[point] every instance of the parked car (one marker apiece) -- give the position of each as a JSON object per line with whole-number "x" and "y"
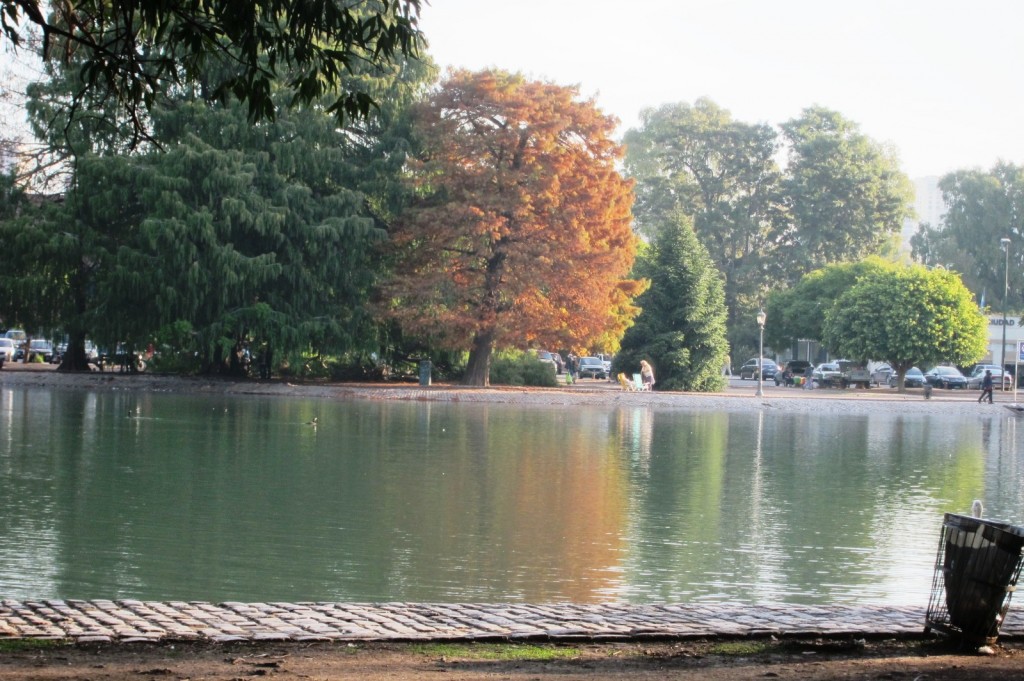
{"x": 854, "y": 374}
{"x": 913, "y": 379}
{"x": 545, "y": 357}
{"x": 880, "y": 374}
{"x": 945, "y": 377}
{"x": 768, "y": 369}
{"x": 593, "y": 367}
{"x": 36, "y": 348}
{"x": 827, "y": 374}
{"x": 559, "y": 363}
{"x": 790, "y": 370}
{"x": 978, "y": 373}
{"x": 7, "y": 350}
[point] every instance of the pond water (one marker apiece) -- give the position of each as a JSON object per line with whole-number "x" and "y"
{"x": 171, "y": 497}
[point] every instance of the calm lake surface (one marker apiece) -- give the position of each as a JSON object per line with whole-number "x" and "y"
{"x": 170, "y": 497}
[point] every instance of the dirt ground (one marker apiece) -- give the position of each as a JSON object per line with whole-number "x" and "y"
{"x": 933, "y": 660}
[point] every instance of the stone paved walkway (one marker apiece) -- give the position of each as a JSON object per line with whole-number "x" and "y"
{"x": 131, "y": 620}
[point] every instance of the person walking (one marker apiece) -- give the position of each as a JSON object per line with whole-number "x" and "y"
{"x": 986, "y": 387}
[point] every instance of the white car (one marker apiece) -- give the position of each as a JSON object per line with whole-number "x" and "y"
{"x": 974, "y": 380}
{"x": 7, "y": 349}
{"x": 827, "y": 374}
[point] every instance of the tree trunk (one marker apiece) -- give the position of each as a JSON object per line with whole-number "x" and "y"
{"x": 901, "y": 374}
{"x": 478, "y": 370}
{"x": 74, "y": 358}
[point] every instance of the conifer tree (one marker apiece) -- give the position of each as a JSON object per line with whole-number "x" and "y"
{"x": 229, "y": 233}
{"x": 681, "y": 327}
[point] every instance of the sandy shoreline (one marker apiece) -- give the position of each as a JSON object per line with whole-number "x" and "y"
{"x": 737, "y": 398}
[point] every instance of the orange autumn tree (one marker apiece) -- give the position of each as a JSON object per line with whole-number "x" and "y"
{"x": 519, "y": 233}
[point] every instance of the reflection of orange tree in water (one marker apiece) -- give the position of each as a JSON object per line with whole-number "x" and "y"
{"x": 553, "y": 512}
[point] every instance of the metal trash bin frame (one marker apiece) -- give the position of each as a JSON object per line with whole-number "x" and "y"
{"x": 976, "y": 572}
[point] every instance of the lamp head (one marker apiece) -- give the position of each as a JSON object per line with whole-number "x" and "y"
{"x": 761, "y": 317}
{"x": 1005, "y": 242}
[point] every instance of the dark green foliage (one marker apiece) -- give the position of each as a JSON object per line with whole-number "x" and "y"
{"x": 37, "y": 249}
{"x": 681, "y": 327}
{"x": 132, "y": 52}
{"x": 247, "y": 232}
{"x": 520, "y": 368}
{"x": 259, "y": 239}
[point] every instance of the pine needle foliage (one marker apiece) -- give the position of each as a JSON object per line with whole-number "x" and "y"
{"x": 681, "y": 327}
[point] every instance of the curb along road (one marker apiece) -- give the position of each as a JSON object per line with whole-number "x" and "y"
{"x": 131, "y": 621}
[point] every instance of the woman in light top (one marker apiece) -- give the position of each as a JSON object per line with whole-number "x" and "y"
{"x": 646, "y": 374}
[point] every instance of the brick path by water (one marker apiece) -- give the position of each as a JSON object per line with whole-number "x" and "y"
{"x": 131, "y": 620}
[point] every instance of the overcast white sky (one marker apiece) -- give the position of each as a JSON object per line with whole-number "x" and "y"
{"x": 941, "y": 81}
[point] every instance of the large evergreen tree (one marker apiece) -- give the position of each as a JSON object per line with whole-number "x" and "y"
{"x": 681, "y": 327}
{"x": 229, "y": 233}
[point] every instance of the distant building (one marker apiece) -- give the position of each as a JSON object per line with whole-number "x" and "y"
{"x": 928, "y": 205}
{"x": 1014, "y": 335}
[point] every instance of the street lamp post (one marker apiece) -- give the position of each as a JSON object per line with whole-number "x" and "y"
{"x": 1005, "y": 243}
{"x": 761, "y": 317}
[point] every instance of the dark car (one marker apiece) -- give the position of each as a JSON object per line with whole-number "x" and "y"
{"x": 593, "y": 367}
{"x": 768, "y": 369}
{"x": 913, "y": 379}
{"x": 790, "y": 370}
{"x": 946, "y": 377}
{"x": 880, "y": 374}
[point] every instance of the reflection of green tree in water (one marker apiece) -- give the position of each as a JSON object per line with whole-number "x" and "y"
{"x": 813, "y": 514}
{"x": 679, "y": 498}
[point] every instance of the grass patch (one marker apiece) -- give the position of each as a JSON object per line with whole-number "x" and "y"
{"x": 18, "y": 645}
{"x": 502, "y": 652}
{"x": 741, "y": 648}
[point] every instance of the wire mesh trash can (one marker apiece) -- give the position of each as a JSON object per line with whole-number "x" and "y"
{"x": 976, "y": 572}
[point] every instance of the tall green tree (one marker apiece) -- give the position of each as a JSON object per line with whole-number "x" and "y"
{"x": 30, "y": 284}
{"x": 229, "y": 232}
{"x": 845, "y": 194}
{"x": 133, "y": 51}
{"x": 983, "y": 207}
{"x": 908, "y": 316}
{"x": 681, "y": 326}
{"x": 698, "y": 160}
